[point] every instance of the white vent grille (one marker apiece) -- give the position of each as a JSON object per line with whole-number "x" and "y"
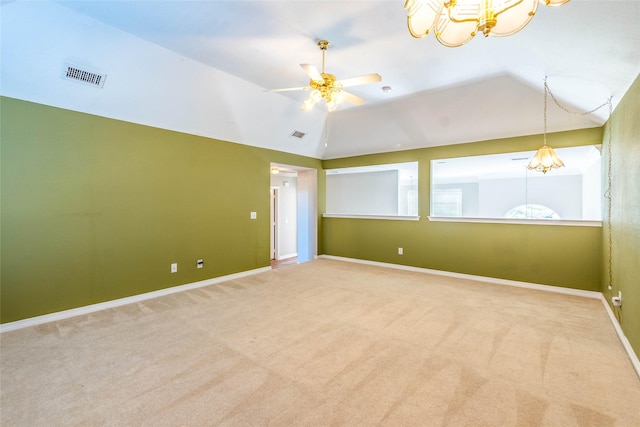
{"x": 84, "y": 76}
{"x": 298, "y": 134}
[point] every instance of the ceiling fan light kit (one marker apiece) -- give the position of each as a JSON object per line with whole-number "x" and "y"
{"x": 455, "y": 22}
{"x": 325, "y": 85}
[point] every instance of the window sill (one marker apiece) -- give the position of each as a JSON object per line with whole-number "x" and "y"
{"x": 579, "y": 223}
{"x": 391, "y": 217}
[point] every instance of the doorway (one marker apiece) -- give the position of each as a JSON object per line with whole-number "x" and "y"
{"x": 273, "y": 221}
{"x": 293, "y": 225}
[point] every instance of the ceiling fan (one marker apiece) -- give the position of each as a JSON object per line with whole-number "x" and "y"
{"x": 325, "y": 86}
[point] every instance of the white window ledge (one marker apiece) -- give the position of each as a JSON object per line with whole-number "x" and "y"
{"x": 391, "y": 217}
{"x": 579, "y": 223}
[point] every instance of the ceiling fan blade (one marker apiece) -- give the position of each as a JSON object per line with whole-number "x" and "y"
{"x": 287, "y": 89}
{"x": 354, "y": 81}
{"x": 352, "y": 99}
{"x": 312, "y": 72}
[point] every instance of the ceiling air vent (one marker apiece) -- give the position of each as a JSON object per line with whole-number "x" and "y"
{"x": 81, "y": 75}
{"x": 298, "y": 134}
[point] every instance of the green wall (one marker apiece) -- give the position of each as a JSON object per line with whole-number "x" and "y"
{"x": 625, "y": 213}
{"x": 95, "y": 209}
{"x": 568, "y": 256}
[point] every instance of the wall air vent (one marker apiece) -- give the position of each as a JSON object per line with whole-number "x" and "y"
{"x": 81, "y": 75}
{"x": 298, "y": 134}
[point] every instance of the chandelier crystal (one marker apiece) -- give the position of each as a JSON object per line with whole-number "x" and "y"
{"x": 455, "y": 22}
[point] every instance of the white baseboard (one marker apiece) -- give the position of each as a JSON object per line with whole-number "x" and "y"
{"x": 623, "y": 339}
{"x": 87, "y": 309}
{"x": 60, "y": 315}
{"x": 633, "y": 357}
{"x": 547, "y": 288}
{"x": 287, "y": 256}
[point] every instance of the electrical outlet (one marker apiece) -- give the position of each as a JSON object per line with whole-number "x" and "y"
{"x": 617, "y": 301}
{"x": 200, "y": 263}
{"x": 174, "y": 267}
{"x": 400, "y": 251}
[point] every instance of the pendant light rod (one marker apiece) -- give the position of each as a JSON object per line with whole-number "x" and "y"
{"x": 323, "y": 45}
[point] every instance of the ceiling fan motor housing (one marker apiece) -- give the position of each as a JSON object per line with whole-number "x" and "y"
{"x": 325, "y": 86}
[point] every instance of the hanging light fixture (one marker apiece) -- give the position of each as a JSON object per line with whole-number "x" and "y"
{"x": 545, "y": 158}
{"x": 458, "y": 21}
{"x": 324, "y": 87}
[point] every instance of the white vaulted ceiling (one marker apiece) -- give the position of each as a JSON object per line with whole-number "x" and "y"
{"x": 203, "y": 67}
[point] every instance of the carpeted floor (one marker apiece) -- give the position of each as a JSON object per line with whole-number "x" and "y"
{"x": 326, "y": 343}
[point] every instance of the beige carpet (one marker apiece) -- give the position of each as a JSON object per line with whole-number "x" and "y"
{"x": 326, "y": 343}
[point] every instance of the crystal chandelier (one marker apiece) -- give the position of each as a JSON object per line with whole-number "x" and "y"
{"x": 458, "y": 21}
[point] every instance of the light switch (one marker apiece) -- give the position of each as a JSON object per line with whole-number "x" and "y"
{"x": 254, "y": 215}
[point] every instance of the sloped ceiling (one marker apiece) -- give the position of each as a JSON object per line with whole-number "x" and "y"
{"x": 203, "y": 67}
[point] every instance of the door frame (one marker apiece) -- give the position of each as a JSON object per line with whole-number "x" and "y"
{"x": 306, "y": 211}
{"x": 273, "y": 224}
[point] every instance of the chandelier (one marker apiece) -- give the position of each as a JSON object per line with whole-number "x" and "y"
{"x": 458, "y": 21}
